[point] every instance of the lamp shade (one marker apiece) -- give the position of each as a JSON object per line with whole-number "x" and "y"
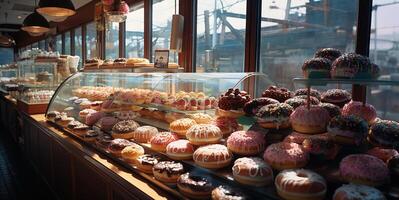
{"x": 36, "y": 24}
{"x": 56, "y": 8}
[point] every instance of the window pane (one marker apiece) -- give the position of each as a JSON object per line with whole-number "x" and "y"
{"x": 289, "y": 30}
{"x": 161, "y": 26}
{"x": 91, "y": 41}
{"x": 35, "y": 45}
{"x": 78, "y": 44}
{"x": 58, "y": 43}
{"x": 135, "y": 32}
{"x": 41, "y": 44}
{"x": 221, "y": 35}
{"x": 384, "y": 51}
{"x": 68, "y": 43}
{"x": 112, "y": 41}
{"x": 7, "y": 56}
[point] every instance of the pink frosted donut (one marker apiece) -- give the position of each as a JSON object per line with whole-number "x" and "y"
{"x": 310, "y": 121}
{"x": 180, "y": 150}
{"x": 246, "y": 143}
{"x": 213, "y": 156}
{"x": 252, "y": 171}
{"x": 285, "y": 155}
{"x": 161, "y": 140}
{"x": 107, "y": 123}
{"x": 364, "y": 169}
{"x": 366, "y": 111}
{"x": 382, "y": 153}
{"x": 93, "y": 118}
{"x": 298, "y": 138}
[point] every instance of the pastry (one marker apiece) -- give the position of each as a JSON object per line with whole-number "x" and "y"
{"x": 253, "y": 106}
{"x": 337, "y": 97}
{"x": 351, "y": 65}
{"x": 275, "y": 116}
{"x": 310, "y": 120}
{"x": 384, "y": 133}
{"x": 117, "y": 145}
{"x": 284, "y": 155}
{"x": 180, "y": 150}
{"x": 103, "y": 141}
{"x": 316, "y": 68}
{"x": 181, "y": 126}
{"x": 329, "y": 53}
{"x": 364, "y": 111}
{"x": 202, "y": 134}
{"x": 382, "y": 153}
{"x": 227, "y": 125}
{"x": 132, "y": 152}
{"x": 90, "y": 136}
{"x": 247, "y": 143}
{"x": 201, "y": 118}
{"x": 124, "y": 129}
{"x": 348, "y": 130}
{"x": 168, "y": 171}
{"x": 143, "y": 134}
{"x": 355, "y": 192}
{"x": 232, "y": 102}
{"x": 84, "y": 113}
{"x": 277, "y": 93}
{"x": 106, "y": 123}
{"x": 322, "y": 146}
{"x": 194, "y": 187}
{"x": 146, "y": 162}
{"x": 93, "y": 118}
{"x": 252, "y": 171}
{"x": 224, "y": 192}
{"x": 304, "y": 91}
{"x": 332, "y": 109}
{"x": 212, "y": 156}
{"x": 161, "y": 140}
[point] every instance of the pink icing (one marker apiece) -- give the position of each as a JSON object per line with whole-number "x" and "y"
{"x": 316, "y": 115}
{"x": 365, "y": 167}
{"x": 285, "y": 152}
{"x": 247, "y": 140}
{"x": 164, "y": 138}
{"x": 180, "y": 146}
{"x": 367, "y": 111}
{"x": 92, "y": 118}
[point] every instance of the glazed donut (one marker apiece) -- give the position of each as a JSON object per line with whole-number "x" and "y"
{"x": 285, "y": 156}
{"x": 246, "y": 143}
{"x": 212, "y": 156}
{"x": 143, "y": 134}
{"x": 224, "y": 192}
{"x": 161, "y": 140}
{"x": 300, "y": 184}
{"x": 117, "y": 145}
{"x": 355, "y": 192}
{"x": 329, "y": 53}
{"x": 146, "y": 162}
{"x": 203, "y": 134}
{"x": 252, "y": 107}
{"x": 252, "y": 171}
{"x": 194, "y": 187}
{"x": 181, "y": 126}
{"x": 310, "y": 121}
{"x": 227, "y": 125}
{"x": 132, "y": 152}
{"x": 124, "y": 129}
{"x": 364, "y": 169}
{"x": 347, "y": 130}
{"x": 304, "y": 92}
{"x": 337, "y": 97}
{"x": 383, "y": 154}
{"x": 180, "y": 150}
{"x": 384, "y": 133}
{"x": 366, "y": 111}
{"x": 275, "y": 116}
{"x": 316, "y": 68}
{"x": 168, "y": 171}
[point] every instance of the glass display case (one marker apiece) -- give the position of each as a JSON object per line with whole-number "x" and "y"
{"x": 33, "y": 73}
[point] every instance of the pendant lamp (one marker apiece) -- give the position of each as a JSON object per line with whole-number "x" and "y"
{"x": 56, "y": 10}
{"x": 35, "y": 24}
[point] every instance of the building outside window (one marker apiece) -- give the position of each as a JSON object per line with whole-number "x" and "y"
{"x": 67, "y": 43}
{"x": 135, "y": 32}
{"x": 58, "y": 43}
{"x": 91, "y": 40}
{"x": 78, "y": 44}
{"x": 112, "y": 40}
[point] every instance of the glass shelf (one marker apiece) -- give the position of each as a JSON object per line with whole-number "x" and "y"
{"x": 323, "y": 82}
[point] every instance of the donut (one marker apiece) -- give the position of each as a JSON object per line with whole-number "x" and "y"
{"x": 168, "y": 171}
{"x": 132, "y": 152}
{"x": 201, "y": 118}
{"x": 124, "y": 129}
{"x": 232, "y": 102}
{"x": 126, "y": 115}
{"x": 252, "y": 171}
{"x": 90, "y": 136}
{"x": 106, "y": 123}
{"x": 203, "y": 134}
{"x": 322, "y": 146}
{"x": 393, "y": 165}
{"x": 227, "y": 125}
{"x": 96, "y": 105}
{"x": 224, "y": 192}
{"x": 356, "y": 192}
{"x": 284, "y": 155}
{"x": 172, "y": 116}
{"x": 50, "y": 116}
{"x": 384, "y": 133}
{"x": 180, "y": 150}
{"x": 81, "y": 130}
{"x": 181, "y": 126}
{"x": 246, "y": 143}
{"x": 143, "y": 134}
{"x": 212, "y": 156}
{"x": 117, "y": 145}
{"x": 252, "y": 107}
{"x": 316, "y": 68}
{"x": 312, "y": 120}
{"x": 364, "y": 169}
{"x": 93, "y": 118}
{"x": 146, "y": 162}
{"x": 84, "y": 113}
{"x": 328, "y": 53}
{"x": 64, "y": 121}
{"x": 296, "y": 137}
{"x": 277, "y": 93}
{"x": 313, "y": 100}
{"x": 300, "y": 184}
{"x": 338, "y": 97}
{"x": 275, "y": 116}
{"x": 295, "y": 102}
{"x": 332, "y": 109}
{"x": 348, "y": 130}
{"x": 350, "y": 65}
{"x": 194, "y": 187}
{"x": 103, "y": 141}
{"x": 304, "y": 92}
{"x": 366, "y": 111}
{"x": 382, "y": 153}
{"x": 161, "y": 140}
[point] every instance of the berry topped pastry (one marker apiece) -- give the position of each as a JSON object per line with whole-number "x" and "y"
{"x": 232, "y": 102}
{"x": 280, "y": 94}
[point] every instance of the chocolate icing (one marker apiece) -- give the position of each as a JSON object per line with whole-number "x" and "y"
{"x": 233, "y": 99}
{"x": 148, "y": 159}
{"x": 170, "y": 167}
{"x": 119, "y": 144}
{"x": 195, "y": 183}
{"x": 328, "y": 53}
{"x": 230, "y": 193}
{"x": 317, "y": 63}
{"x": 252, "y": 107}
{"x": 313, "y": 93}
{"x": 386, "y": 131}
{"x": 280, "y": 94}
{"x": 275, "y": 110}
{"x": 349, "y": 123}
{"x": 104, "y": 140}
{"x": 125, "y": 126}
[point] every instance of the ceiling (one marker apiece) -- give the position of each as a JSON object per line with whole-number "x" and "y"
{"x": 17, "y": 10}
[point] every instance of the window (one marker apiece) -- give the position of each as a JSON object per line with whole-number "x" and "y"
{"x": 35, "y": 45}
{"x": 135, "y": 32}
{"x": 78, "y": 44}
{"x": 161, "y": 26}
{"x": 7, "y": 56}
{"x": 384, "y": 51}
{"x": 289, "y": 30}
{"x": 41, "y": 44}
{"x": 91, "y": 40}
{"x": 67, "y": 43}
{"x": 112, "y": 40}
{"x": 58, "y": 43}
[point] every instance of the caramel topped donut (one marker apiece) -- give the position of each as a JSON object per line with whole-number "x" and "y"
{"x": 233, "y": 99}
{"x": 384, "y": 133}
{"x": 212, "y": 156}
{"x": 364, "y": 169}
{"x": 246, "y": 142}
{"x": 202, "y": 134}
{"x": 355, "y": 192}
{"x": 329, "y": 53}
{"x": 304, "y": 91}
{"x": 252, "y": 171}
{"x": 252, "y": 107}
{"x": 280, "y": 94}
{"x": 300, "y": 184}
{"x": 196, "y": 187}
{"x": 224, "y": 192}
{"x": 285, "y": 156}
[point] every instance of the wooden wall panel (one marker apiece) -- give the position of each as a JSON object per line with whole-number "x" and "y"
{"x": 62, "y": 172}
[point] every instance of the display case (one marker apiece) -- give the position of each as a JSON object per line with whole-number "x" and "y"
{"x": 35, "y": 74}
